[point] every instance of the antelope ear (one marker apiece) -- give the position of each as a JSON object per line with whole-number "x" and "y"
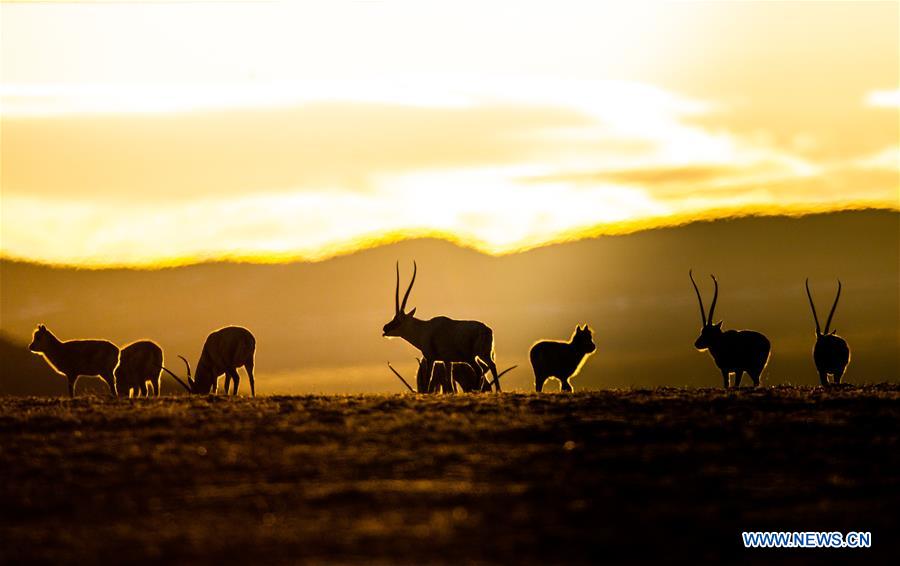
{"x": 411, "y": 313}
{"x": 41, "y": 327}
{"x": 718, "y": 324}
{"x": 832, "y": 333}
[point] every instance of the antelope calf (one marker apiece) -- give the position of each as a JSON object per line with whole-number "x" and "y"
{"x": 734, "y": 351}
{"x": 139, "y": 362}
{"x": 224, "y": 351}
{"x": 831, "y": 352}
{"x": 561, "y": 360}
{"x": 74, "y": 358}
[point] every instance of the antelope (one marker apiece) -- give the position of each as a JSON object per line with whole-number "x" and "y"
{"x": 734, "y": 351}
{"x": 831, "y": 353}
{"x": 442, "y": 339}
{"x": 74, "y": 358}
{"x": 224, "y": 351}
{"x": 471, "y": 382}
{"x": 561, "y": 360}
{"x": 139, "y": 362}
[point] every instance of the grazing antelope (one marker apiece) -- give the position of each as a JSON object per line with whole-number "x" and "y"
{"x": 831, "y": 352}
{"x": 472, "y": 381}
{"x": 442, "y": 339}
{"x": 74, "y": 358}
{"x": 224, "y": 351}
{"x": 139, "y": 362}
{"x": 734, "y": 351}
{"x": 562, "y": 360}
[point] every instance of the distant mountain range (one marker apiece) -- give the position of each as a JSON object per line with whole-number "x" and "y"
{"x": 318, "y": 325}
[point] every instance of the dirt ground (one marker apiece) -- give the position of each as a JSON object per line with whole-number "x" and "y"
{"x": 613, "y": 476}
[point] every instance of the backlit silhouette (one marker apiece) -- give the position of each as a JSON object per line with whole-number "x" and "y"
{"x": 831, "y": 352}
{"x": 442, "y": 339}
{"x": 466, "y": 377}
{"x": 74, "y": 358}
{"x": 224, "y": 351}
{"x": 734, "y": 351}
{"x": 139, "y": 363}
{"x": 561, "y": 360}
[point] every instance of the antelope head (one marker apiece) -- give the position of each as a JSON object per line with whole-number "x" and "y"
{"x": 397, "y": 325}
{"x": 709, "y": 333}
{"x": 819, "y": 331}
{"x": 40, "y": 340}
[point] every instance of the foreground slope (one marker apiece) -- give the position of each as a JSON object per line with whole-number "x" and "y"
{"x": 615, "y": 476}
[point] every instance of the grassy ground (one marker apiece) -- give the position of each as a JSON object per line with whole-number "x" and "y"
{"x": 620, "y": 476}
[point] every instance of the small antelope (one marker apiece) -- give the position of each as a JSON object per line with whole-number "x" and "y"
{"x": 734, "y": 351}
{"x": 74, "y": 358}
{"x": 224, "y": 351}
{"x": 442, "y": 339}
{"x": 139, "y": 362}
{"x": 831, "y": 352}
{"x": 561, "y": 360}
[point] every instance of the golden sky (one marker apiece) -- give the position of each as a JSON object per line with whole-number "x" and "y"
{"x": 152, "y": 133}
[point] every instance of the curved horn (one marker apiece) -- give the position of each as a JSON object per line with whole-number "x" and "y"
{"x": 176, "y": 378}
{"x": 834, "y": 306}
{"x": 813, "y": 307}
{"x": 712, "y": 307}
{"x": 186, "y": 365}
{"x": 699, "y": 298}
{"x": 408, "y": 289}
{"x": 397, "y": 291}
{"x": 397, "y": 373}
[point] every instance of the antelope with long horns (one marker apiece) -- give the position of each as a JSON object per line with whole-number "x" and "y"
{"x": 734, "y": 351}
{"x": 224, "y": 351}
{"x": 442, "y": 339}
{"x": 74, "y": 358}
{"x": 831, "y": 352}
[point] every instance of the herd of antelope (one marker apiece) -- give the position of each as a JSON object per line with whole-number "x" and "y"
{"x": 457, "y": 355}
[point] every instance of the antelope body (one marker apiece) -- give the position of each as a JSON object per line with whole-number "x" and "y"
{"x": 831, "y": 353}
{"x": 139, "y": 362}
{"x": 561, "y": 360}
{"x": 442, "y": 339}
{"x": 734, "y": 351}
{"x": 74, "y": 358}
{"x": 224, "y": 351}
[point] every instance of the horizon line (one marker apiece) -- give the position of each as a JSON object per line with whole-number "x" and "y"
{"x": 375, "y": 241}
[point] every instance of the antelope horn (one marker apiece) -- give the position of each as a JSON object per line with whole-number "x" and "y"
{"x": 833, "y": 307}
{"x": 813, "y": 307}
{"x": 408, "y": 289}
{"x": 176, "y": 378}
{"x": 712, "y": 307}
{"x": 502, "y": 373}
{"x": 186, "y": 365}
{"x": 397, "y": 291}
{"x": 397, "y": 373}
{"x": 699, "y": 298}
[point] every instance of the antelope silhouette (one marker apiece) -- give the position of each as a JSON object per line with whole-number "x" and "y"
{"x": 561, "y": 360}
{"x": 468, "y": 379}
{"x": 831, "y": 352}
{"x": 442, "y": 339}
{"x": 74, "y": 358}
{"x": 139, "y": 362}
{"x": 224, "y": 351}
{"x": 734, "y": 351}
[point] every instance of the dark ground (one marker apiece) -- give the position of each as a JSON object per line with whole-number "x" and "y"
{"x": 613, "y": 476}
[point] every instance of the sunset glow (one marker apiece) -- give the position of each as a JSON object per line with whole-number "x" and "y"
{"x": 153, "y": 134}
